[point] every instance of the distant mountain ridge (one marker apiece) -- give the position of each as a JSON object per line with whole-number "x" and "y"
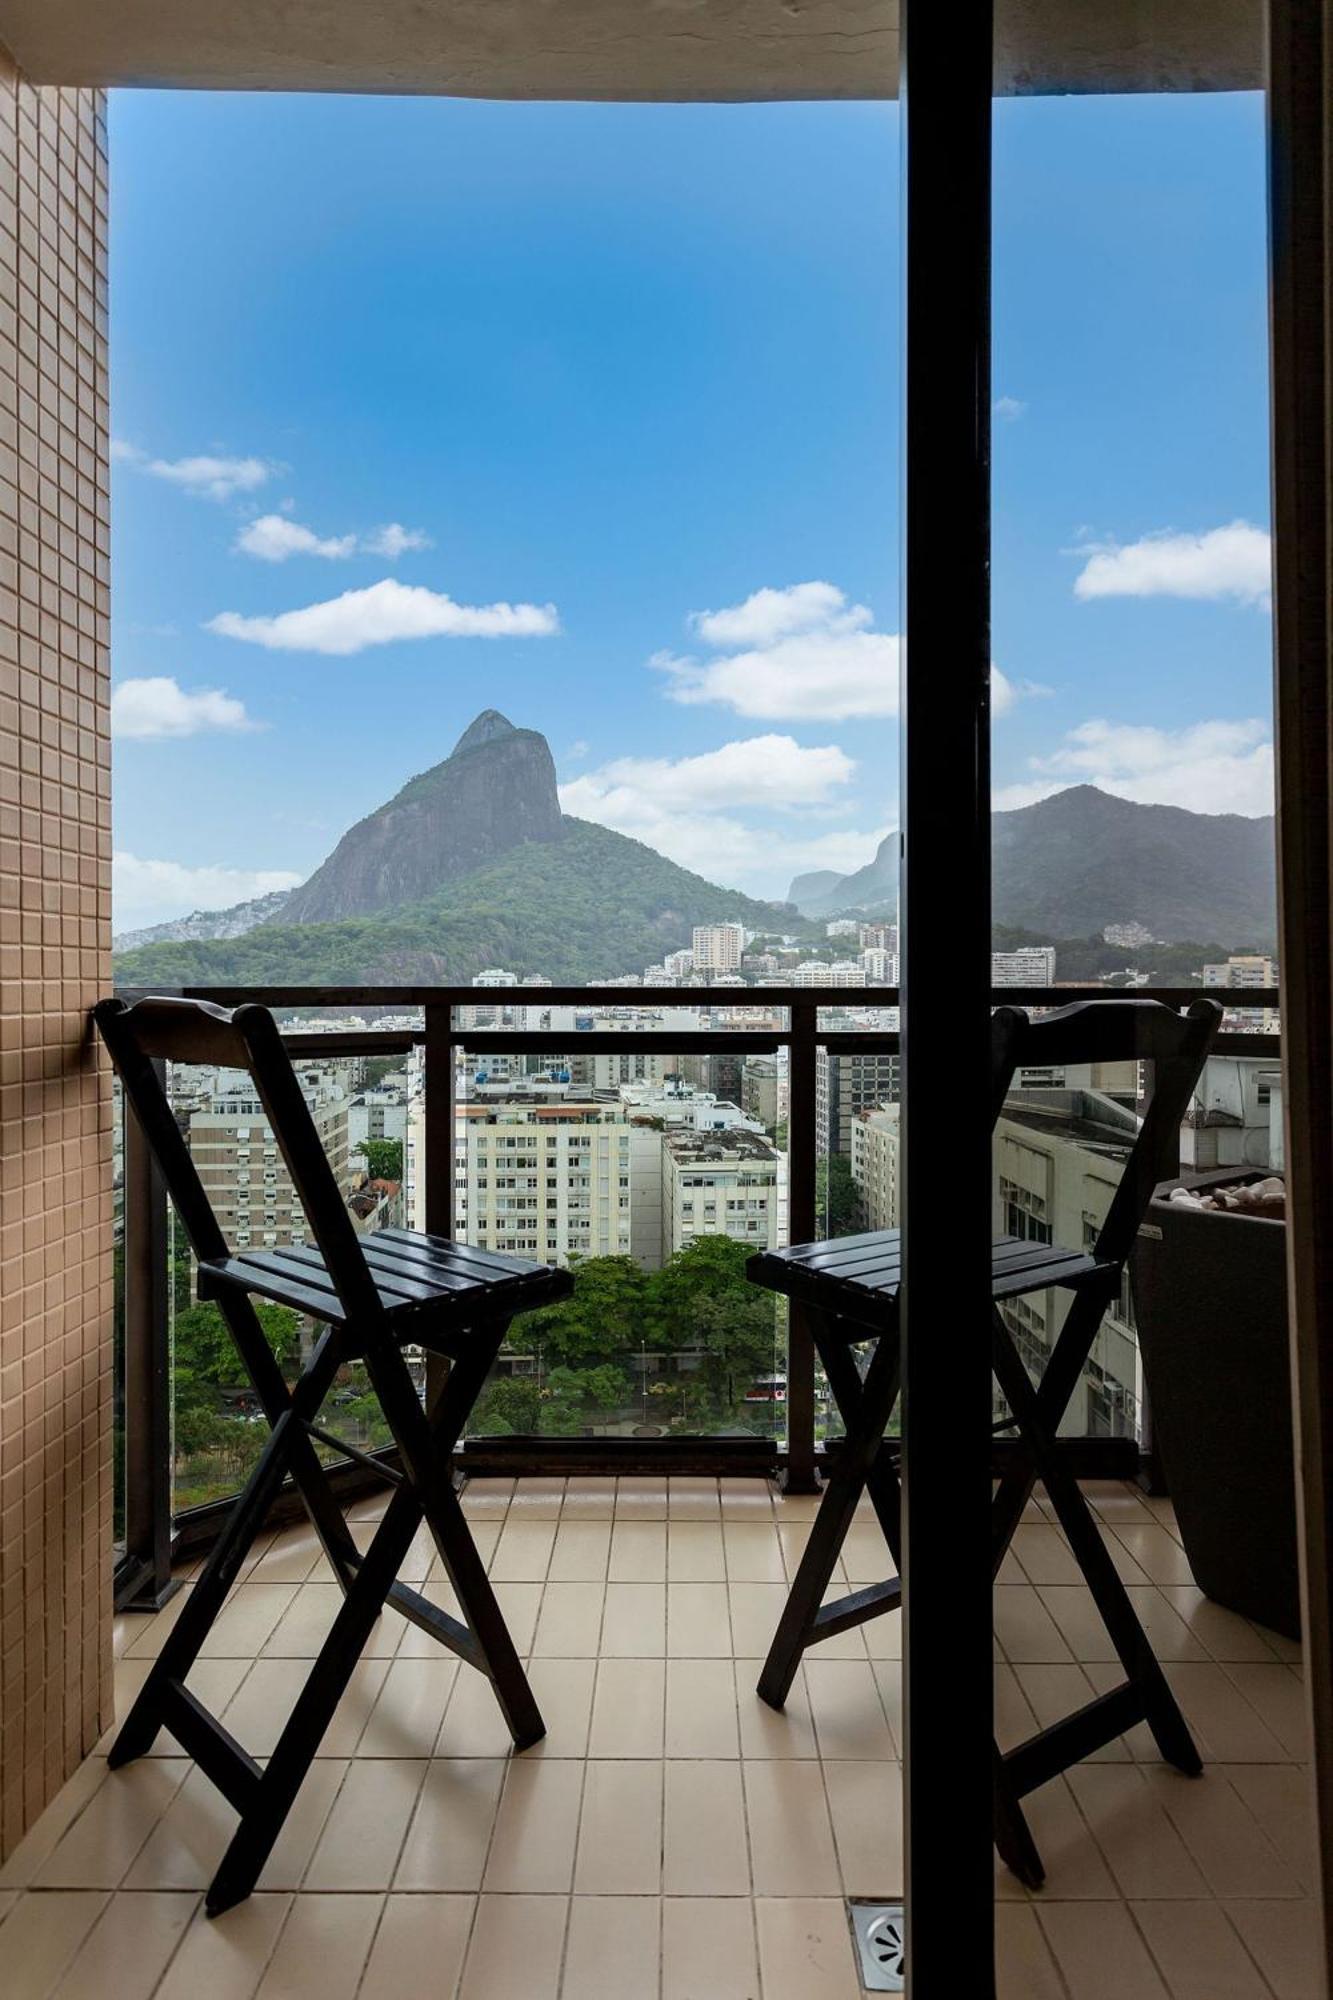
{"x": 1083, "y": 858}
{"x": 203, "y": 924}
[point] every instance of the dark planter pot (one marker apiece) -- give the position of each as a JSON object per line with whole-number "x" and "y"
{"x": 1210, "y": 1292}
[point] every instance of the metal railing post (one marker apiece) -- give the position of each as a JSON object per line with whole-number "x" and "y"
{"x": 148, "y": 1497}
{"x": 802, "y": 1156}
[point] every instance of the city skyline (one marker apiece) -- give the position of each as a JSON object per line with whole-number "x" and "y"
{"x": 534, "y": 420}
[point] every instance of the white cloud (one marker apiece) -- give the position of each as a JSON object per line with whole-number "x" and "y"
{"x": 205, "y": 475}
{"x": 686, "y": 808}
{"x": 1008, "y": 409}
{"x": 1210, "y": 767}
{"x": 160, "y": 706}
{"x": 274, "y": 537}
{"x": 806, "y": 655}
{"x": 150, "y": 892}
{"x": 1232, "y": 562}
{"x": 393, "y": 540}
{"x": 382, "y": 613}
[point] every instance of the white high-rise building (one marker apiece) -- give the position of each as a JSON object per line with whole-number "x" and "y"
{"x": 718, "y": 947}
{"x": 875, "y": 1136}
{"x": 719, "y": 1184}
{"x": 556, "y": 1180}
{"x": 1032, "y": 966}
{"x": 244, "y": 1175}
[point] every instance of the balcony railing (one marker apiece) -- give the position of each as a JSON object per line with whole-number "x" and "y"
{"x": 154, "y": 1532}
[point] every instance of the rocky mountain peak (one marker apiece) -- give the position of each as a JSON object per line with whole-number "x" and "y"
{"x": 489, "y": 727}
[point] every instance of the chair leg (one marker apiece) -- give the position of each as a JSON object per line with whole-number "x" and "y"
{"x": 866, "y": 1413}
{"x": 246, "y": 1519}
{"x": 1142, "y": 1669}
{"x": 1013, "y": 1836}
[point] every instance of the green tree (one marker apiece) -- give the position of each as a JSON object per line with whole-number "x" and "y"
{"x": 206, "y": 1360}
{"x": 837, "y": 1197}
{"x": 512, "y": 1403}
{"x": 608, "y": 1314}
{"x": 706, "y": 1305}
{"x": 384, "y": 1159}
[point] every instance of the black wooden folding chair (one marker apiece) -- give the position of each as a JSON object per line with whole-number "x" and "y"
{"x": 850, "y": 1287}
{"x": 371, "y": 1296}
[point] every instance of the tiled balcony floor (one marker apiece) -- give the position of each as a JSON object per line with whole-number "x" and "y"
{"x": 671, "y": 1839}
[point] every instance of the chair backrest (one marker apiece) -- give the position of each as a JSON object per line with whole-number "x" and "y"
{"x": 141, "y": 1035}
{"x": 1105, "y": 1031}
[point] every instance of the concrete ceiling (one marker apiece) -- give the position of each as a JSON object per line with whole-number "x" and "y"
{"x": 633, "y": 50}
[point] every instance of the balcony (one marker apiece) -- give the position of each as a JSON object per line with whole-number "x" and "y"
{"x": 669, "y": 1818}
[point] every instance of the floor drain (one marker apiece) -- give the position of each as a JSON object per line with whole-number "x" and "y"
{"x": 878, "y": 1929}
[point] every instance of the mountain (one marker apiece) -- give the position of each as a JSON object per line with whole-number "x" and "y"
{"x": 494, "y": 792}
{"x": 1081, "y": 859}
{"x": 589, "y": 905}
{"x": 235, "y": 922}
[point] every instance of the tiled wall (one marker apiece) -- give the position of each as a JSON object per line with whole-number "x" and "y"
{"x": 55, "y": 1255}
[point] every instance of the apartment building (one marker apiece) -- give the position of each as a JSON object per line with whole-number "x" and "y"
{"x": 1241, "y": 971}
{"x": 718, "y": 947}
{"x": 244, "y": 1175}
{"x": 719, "y": 1184}
{"x": 846, "y": 1084}
{"x": 1058, "y": 1160}
{"x": 764, "y": 1090}
{"x": 875, "y": 1156}
{"x": 1032, "y": 966}
{"x": 556, "y": 1180}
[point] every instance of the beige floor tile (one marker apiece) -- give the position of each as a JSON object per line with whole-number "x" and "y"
{"x": 792, "y": 1539}
{"x": 1284, "y": 1940}
{"x": 1025, "y": 1628}
{"x": 708, "y": 1949}
{"x": 259, "y": 1709}
{"x": 865, "y": 1557}
{"x": 884, "y": 1636}
{"x": 289, "y": 1557}
{"x": 634, "y": 1621}
{"x": 450, "y": 1833}
{"x": 755, "y": 1611}
{"x": 1276, "y": 1693}
{"x": 690, "y": 1499}
{"x": 519, "y": 1605}
{"x": 611, "y": 1951}
{"x": 641, "y": 1497}
{"x": 705, "y": 1848}
{"x": 1049, "y": 1693}
{"x": 364, "y": 1832}
{"x": 516, "y": 1948}
{"x": 1157, "y": 1553}
{"x": 694, "y": 1552}
{"x": 523, "y": 1552}
{"x": 866, "y": 1806}
{"x": 145, "y": 1635}
{"x": 569, "y": 1624}
{"x": 1024, "y": 1967}
{"x": 620, "y": 1833}
{"x": 805, "y": 1948}
{"x": 419, "y": 1948}
{"x": 484, "y": 1499}
{"x": 100, "y": 1846}
{"x": 1146, "y": 1854}
{"x": 845, "y": 1702}
{"x": 701, "y": 1709}
{"x": 1075, "y": 1868}
{"x": 55, "y": 1820}
{"x": 474, "y": 1724}
{"x": 1223, "y": 1634}
{"x": 589, "y": 1500}
{"x": 746, "y": 1499}
{"x": 249, "y": 1617}
{"x": 537, "y": 1499}
{"x": 1199, "y": 1953}
{"x": 129, "y": 1947}
{"x": 1044, "y": 1554}
{"x": 563, "y": 1692}
{"x": 1235, "y": 1855}
{"x": 580, "y": 1552}
{"x": 532, "y": 1848}
{"x": 215, "y": 1682}
{"x": 852, "y": 1644}
{"x": 405, "y": 1720}
{"x": 223, "y": 1958}
{"x": 323, "y": 1947}
{"x": 753, "y": 1553}
{"x": 40, "y": 1937}
{"x": 791, "y": 1840}
{"x": 698, "y": 1621}
{"x": 771, "y": 1732}
{"x": 1014, "y": 1718}
{"x": 627, "y": 1709}
{"x": 1278, "y": 1795}
{"x": 1226, "y": 1728}
{"x": 1100, "y": 1952}
{"x": 304, "y": 1624}
{"x": 188, "y": 1842}
{"x": 638, "y": 1551}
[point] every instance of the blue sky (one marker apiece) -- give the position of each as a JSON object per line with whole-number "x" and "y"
{"x": 591, "y": 414}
